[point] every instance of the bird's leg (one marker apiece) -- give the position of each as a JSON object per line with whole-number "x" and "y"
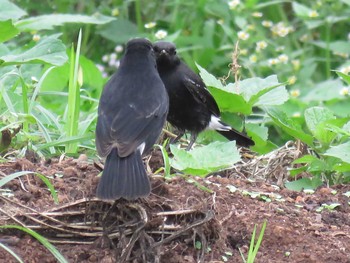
{"x": 178, "y": 137}
{"x": 192, "y": 140}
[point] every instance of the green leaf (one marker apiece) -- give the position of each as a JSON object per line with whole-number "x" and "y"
{"x": 281, "y": 119}
{"x": 119, "y": 31}
{"x": 11, "y": 252}
{"x": 48, "y": 50}
{"x": 325, "y": 91}
{"x": 315, "y": 115}
{"x": 341, "y": 151}
{"x": 301, "y": 10}
{"x": 305, "y": 159}
{"x": 50, "y": 21}
{"x": 209, "y": 79}
{"x": 263, "y": 92}
{"x": 206, "y": 159}
{"x": 343, "y": 76}
{"x": 9, "y": 10}
{"x": 7, "y": 30}
{"x": 304, "y": 183}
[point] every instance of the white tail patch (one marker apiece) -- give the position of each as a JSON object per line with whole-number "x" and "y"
{"x": 216, "y": 124}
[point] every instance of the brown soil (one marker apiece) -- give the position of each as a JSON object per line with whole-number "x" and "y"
{"x": 179, "y": 222}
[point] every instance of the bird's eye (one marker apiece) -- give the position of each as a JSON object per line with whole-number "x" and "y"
{"x": 172, "y": 51}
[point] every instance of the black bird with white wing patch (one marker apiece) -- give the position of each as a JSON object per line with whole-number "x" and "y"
{"x": 191, "y": 106}
{"x": 131, "y": 114}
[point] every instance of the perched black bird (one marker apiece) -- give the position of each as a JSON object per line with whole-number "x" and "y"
{"x": 191, "y": 107}
{"x": 131, "y": 114}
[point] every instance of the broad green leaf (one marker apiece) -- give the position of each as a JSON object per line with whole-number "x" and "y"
{"x": 230, "y": 102}
{"x": 50, "y": 21}
{"x": 305, "y": 159}
{"x": 325, "y": 91}
{"x": 209, "y": 79}
{"x": 341, "y": 151}
{"x": 343, "y": 76}
{"x": 301, "y": 10}
{"x": 263, "y": 92}
{"x": 9, "y": 10}
{"x": 226, "y": 98}
{"x": 315, "y": 115}
{"x": 119, "y": 31}
{"x": 48, "y": 50}
{"x": 206, "y": 159}
{"x": 304, "y": 183}
{"x": 287, "y": 124}
{"x": 7, "y": 30}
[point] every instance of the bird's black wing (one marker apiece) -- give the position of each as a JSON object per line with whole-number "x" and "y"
{"x": 199, "y": 91}
{"x": 131, "y": 115}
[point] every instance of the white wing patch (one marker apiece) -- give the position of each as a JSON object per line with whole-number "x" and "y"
{"x": 216, "y": 124}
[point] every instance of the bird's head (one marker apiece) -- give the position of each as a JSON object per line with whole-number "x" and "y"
{"x": 165, "y": 53}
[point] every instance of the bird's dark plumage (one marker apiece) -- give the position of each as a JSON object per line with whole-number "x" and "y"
{"x": 132, "y": 111}
{"x": 191, "y": 106}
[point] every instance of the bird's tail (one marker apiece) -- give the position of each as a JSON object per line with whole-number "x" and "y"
{"x": 230, "y": 133}
{"x": 123, "y": 177}
{"x": 240, "y": 138}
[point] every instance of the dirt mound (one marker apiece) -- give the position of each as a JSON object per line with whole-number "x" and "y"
{"x": 183, "y": 220}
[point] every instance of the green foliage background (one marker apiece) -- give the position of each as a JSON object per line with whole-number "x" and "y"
{"x": 293, "y": 82}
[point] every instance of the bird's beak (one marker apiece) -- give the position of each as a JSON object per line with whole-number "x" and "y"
{"x": 163, "y": 52}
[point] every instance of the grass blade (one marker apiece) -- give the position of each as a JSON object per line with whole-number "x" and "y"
{"x": 10, "y": 177}
{"x": 12, "y": 253}
{"x": 41, "y": 239}
{"x": 73, "y": 98}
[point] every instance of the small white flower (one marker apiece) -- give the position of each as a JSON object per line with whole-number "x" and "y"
{"x": 345, "y": 70}
{"x": 344, "y": 91}
{"x": 291, "y": 80}
{"x": 267, "y": 23}
{"x": 150, "y": 25}
{"x": 283, "y": 58}
{"x": 160, "y": 34}
{"x": 113, "y": 56}
{"x": 260, "y": 45}
{"x": 253, "y": 58}
{"x": 118, "y": 48}
{"x": 36, "y": 37}
{"x": 313, "y": 14}
{"x": 233, "y": 4}
{"x": 243, "y": 35}
{"x": 295, "y": 93}
{"x": 34, "y": 79}
{"x": 257, "y": 14}
{"x": 273, "y": 61}
{"x": 105, "y": 58}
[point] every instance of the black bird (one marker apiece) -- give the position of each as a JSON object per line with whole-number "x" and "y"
{"x": 131, "y": 114}
{"x": 191, "y": 107}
